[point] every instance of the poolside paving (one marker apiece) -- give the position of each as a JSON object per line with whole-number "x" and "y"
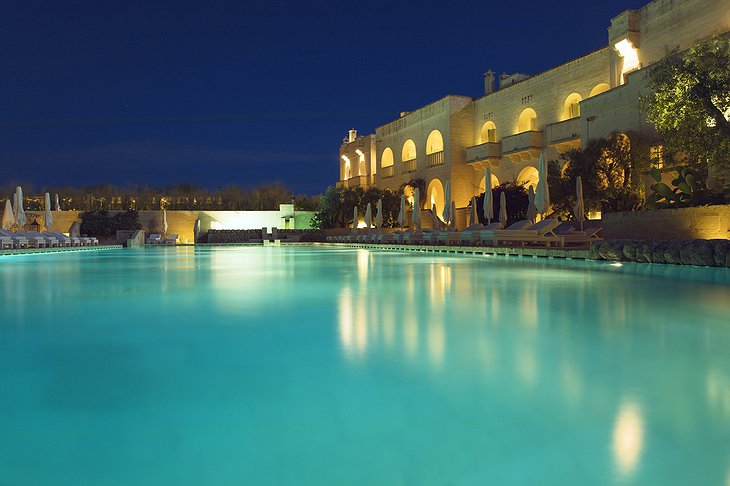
{"x": 27, "y": 251}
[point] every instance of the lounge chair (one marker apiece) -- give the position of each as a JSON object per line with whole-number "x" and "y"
{"x": 171, "y": 240}
{"x": 33, "y": 241}
{"x": 575, "y": 237}
{"x": 487, "y": 235}
{"x": 154, "y": 239}
{"x": 51, "y": 241}
{"x": 18, "y": 240}
{"x": 542, "y": 232}
{"x": 66, "y": 240}
{"x": 6, "y": 243}
{"x": 471, "y": 235}
{"x": 413, "y": 237}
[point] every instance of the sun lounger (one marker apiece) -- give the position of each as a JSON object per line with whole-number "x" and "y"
{"x": 6, "y": 243}
{"x": 51, "y": 241}
{"x": 487, "y": 235}
{"x": 542, "y": 232}
{"x": 33, "y": 241}
{"x": 576, "y": 237}
{"x": 412, "y": 237}
{"x": 19, "y": 241}
{"x": 171, "y": 239}
{"x": 471, "y": 235}
{"x": 66, "y": 240}
{"x": 154, "y": 239}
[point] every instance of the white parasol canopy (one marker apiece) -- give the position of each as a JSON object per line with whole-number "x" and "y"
{"x": 402, "y": 212}
{"x": 354, "y": 218}
{"x": 8, "y": 218}
{"x": 417, "y": 208}
{"x": 379, "y": 215}
{"x": 164, "y": 222}
{"x": 503, "y": 209}
{"x": 19, "y": 212}
{"x": 579, "y": 210}
{"x": 58, "y": 204}
{"x": 531, "y": 208}
{"x": 542, "y": 193}
{"x": 488, "y": 198}
{"x": 474, "y": 218}
{"x": 47, "y": 217}
{"x": 446, "y": 216}
{"x": 368, "y": 216}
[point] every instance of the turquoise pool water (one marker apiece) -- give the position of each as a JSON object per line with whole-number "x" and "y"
{"x": 266, "y": 365}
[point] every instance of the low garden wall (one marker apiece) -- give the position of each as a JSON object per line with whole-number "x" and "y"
{"x": 707, "y": 253}
{"x": 704, "y": 222}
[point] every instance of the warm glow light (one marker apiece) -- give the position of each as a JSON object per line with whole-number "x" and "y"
{"x": 628, "y": 438}
{"x": 362, "y": 155}
{"x": 361, "y": 224}
{"x": 594, "y": 215}
{"x": 346, "y": 159}
{"x": 630, "y": 55}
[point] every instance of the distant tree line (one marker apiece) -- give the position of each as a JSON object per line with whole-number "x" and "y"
{"x": 109, "y": 197}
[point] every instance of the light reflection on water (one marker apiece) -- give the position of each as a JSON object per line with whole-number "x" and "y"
{"x": 475, "y": 369}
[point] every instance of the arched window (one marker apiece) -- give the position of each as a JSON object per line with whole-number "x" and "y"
{"x": 572, "y": 106}
{"x": 434, "y": 149}
{"x": 598, "y": 89}
{"x": 435, "y": 196}
{"x": 386, "y": 160}
{"x": 528, "y": 177}
{"x": 527, "y": 121}
{"x": 489, "y": 132}
{"x": 408, "y": 156}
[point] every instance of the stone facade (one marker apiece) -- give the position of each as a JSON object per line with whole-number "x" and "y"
{"x": 587, "y": 98}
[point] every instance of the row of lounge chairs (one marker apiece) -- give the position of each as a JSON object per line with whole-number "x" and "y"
{"x": 158, "y": 239}
{"x": 546, "y": 232}
{"x": 48, "y": 239}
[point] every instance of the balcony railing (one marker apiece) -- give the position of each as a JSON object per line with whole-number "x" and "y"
{"x": 409, "y": 166}
{"x": 564, "y": 135}
{"x": 357, "y": 181}
{"x": 480, "y": 156}
{"x": 386, "y": 172}
{"x": 523, "y": 146}
{"x": 434, "y": 159}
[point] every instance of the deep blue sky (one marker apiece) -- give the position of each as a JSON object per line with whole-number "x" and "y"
{"x": 217, "y": 92}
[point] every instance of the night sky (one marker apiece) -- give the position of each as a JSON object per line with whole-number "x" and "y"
{"x": 218, "y": 92}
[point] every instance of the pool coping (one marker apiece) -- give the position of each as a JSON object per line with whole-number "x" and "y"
{"x": 30, "y": 251}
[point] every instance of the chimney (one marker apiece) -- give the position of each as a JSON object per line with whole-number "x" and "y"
{"x": 489, "y": 82}
{"x": 352, "y": 135}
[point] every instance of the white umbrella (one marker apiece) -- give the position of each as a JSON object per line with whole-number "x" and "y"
{"x": 164, "y": 222}
{"x": 542, "y": 193}
{"x": 446, "y": 216}
{"x": 15, "y": 205}
{"x": 58, "y": 204}
{"x": 8, "y": 218}
{"x": 417, "y": 209}
{"x": 354, "y": 218}
{"x": 531, "y": 208}
{"x": 20, "y": 213}
{"x": 402, "y": 212}
{"x": 579, "y": 210}
{"x": 196, "y": 231}
{"x": 368, "y": 216}
{"x": 488, "y": 198}
{"x": 452, "y": 224}
{"x": 434, "y": 217}
{"x": 503, "y": 209}
{"x": 379, "y": 215}
{"x": 48, "y": 217}
{"x": 474, "y": 218}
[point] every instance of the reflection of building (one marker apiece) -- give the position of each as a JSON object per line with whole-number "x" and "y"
{"x": 591, "y": 97}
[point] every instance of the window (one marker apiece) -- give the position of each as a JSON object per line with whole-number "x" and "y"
{"x": 656, "y": 153}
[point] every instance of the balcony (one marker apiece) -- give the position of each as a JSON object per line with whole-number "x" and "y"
{"x": 357, "y": 181}
{"x": 484, "y": 155}
{"x": 523, "y": 146}
{"x": 409, "y": 166}
{"x": 434, "y": 159}
{"x": 386, "y": 172}
{"x": 564, "y": 135}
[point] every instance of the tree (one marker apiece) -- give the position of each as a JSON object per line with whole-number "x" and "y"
{"x": 689, "y": 103}
{"x": 516, "y": 200}
{"x": 337, "y": 203}
{"x": 612, "y": 171}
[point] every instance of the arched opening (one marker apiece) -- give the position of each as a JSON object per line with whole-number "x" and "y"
{"x": 482, "y": 185}
{"x": 527, "y": 121}
{"x": 434, "y": 143}
{"x": 386, "y": 163}
{"x": 489, "y": 132}
{"x": 599, "y": 88}
{"x": 435, "y": 196}
{"x": 409, "y": 150}
{"x": 572, "y": 106}
{"x": 528, "y": 177}
{"x": 346, "y": 171}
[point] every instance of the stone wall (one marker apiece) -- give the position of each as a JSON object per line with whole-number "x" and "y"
{"x": 705, "y": 253}
{"x": 706, "y": 222}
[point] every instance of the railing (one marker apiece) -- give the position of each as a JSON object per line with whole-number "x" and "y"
{"x": 357, "y": 181}
{"x": 564, "y": 130}
{"x": 409, "y": 166}
{"x": 484, "y": 151}
{"x": 386, "y": 172}
{"x": 524, "y": 141}
{"x": 434, "y": 159}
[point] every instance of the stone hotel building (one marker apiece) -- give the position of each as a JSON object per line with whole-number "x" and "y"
{"x": 456, "y": 137}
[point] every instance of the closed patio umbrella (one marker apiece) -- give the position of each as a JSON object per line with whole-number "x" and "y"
{"x": 474, "y": 218}
{"x": 368, "y": 216}
{"x": 446, "y": 216}
{"x": 47, "y": 217}
{"x": 8, "y": 218}
{"x": 379, "y": 215}
{"x": 531, "y": 208}
{"x": 503, "y": 209}
{"x": 19, "y": 211}
{"x": 542, "y": 193}
{"x": 579, "y": 210}
{"x": 15, "y": 205}
{"x": 164, "y": 222}
{"x": 196, "y": 231}
{"x": 354, "y": 218}
{"x": 402, "y": 212}
{"x": 417, "y": 209}
{"x": 434, "y": 217}
{"x": 452, "y": 223}
{"x": 58, "y": 204}
{"x": 488, "y": 198}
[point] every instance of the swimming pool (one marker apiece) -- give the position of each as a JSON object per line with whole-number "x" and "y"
{"x": 282, "y": 365}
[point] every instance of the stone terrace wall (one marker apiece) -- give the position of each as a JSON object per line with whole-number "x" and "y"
{"x": 706, "y": 222}
{"x": 706, "y": 253}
